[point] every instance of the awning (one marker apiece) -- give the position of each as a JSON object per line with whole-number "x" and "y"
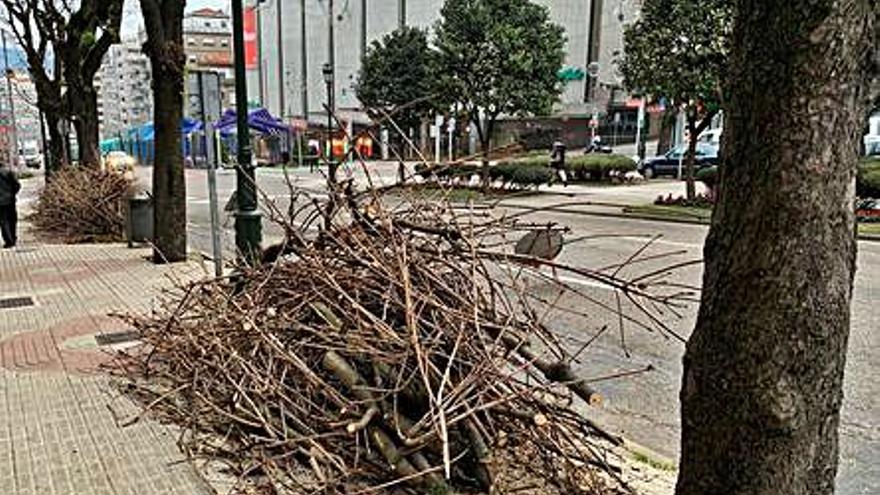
{"x": 259, "y": 120}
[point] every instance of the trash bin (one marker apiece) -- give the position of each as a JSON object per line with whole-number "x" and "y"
{"x": 139, "y": 221}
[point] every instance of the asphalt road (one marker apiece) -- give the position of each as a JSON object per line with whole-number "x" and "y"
{"x": 644, "y": 408}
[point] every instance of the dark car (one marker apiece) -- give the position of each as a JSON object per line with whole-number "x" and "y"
{"x": 706, "y": 156}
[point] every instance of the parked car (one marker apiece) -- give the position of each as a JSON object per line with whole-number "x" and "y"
{"x": 712, "y": 136}
{"x": 667, "y": 164}
{"x": 119, "y": 161}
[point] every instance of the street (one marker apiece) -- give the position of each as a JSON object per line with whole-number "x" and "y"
{"x": 643, "y": 408}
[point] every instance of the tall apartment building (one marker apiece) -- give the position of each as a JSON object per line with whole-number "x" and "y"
{"x": 291, "y": 39}
{"x": 125, "y": 97}
{"x": 207, "y": 38}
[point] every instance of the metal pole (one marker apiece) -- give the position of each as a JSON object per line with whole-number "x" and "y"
{"x": 211, "y": 164}
{"x": 401, "y": 14}
{"x": 248, "y": 228}
{"x": 331, "y": 91}
{"x": 279, "y": 26}
{"x": 260, "y": 72}
{"x": 14, "y": 159}
{"x": 304, "y": 61}
{"x": 363, "y": 28}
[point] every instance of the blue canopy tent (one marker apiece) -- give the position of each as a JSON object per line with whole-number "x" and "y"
{"x": 260, "y": 122}
{"x": 140, "y": 141}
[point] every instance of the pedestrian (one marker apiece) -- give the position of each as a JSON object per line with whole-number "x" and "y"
{"x": 557, "y": 161}
{"x": 9, "y": 187}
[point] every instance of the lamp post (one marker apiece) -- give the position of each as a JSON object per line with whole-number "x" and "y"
{"x": 248, "y": 226}
{"x": 331, "y": 106}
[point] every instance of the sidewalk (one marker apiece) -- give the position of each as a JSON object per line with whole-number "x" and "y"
{"x": 57, "y": 432}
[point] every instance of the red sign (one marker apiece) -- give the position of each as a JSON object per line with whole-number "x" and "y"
{"x": 250, "y": 38}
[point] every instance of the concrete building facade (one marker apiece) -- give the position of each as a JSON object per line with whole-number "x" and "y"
{"x": 125, "y": 96}
{"x": 207, "y": 38}
{"x": 287, "y": 90}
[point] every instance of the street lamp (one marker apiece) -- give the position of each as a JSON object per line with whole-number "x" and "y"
{"x": 248, "y": 220}
{"x": 331, "y": 104}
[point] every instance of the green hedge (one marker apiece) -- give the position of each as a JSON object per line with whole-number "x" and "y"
{"x": 447, "y": 172}
{"x": 597, "y": 167}
{"x": 522, "y": 173}
{"x": 708, "y": 176}
{"x": 868, "y": 183}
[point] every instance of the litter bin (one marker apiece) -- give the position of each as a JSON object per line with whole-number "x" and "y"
{"x": 139, "y": 221}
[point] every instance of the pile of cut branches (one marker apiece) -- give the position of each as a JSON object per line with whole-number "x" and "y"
{"x": 82, "y": 204}
{"x": 392, "y": 352}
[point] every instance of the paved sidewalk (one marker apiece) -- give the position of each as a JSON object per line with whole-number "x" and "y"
{"x": 57, "y": 432}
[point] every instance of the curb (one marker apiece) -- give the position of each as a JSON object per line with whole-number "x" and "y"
{"x": 651, "y": 218}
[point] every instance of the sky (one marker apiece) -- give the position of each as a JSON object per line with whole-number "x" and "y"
{"x": 132, "y": 21}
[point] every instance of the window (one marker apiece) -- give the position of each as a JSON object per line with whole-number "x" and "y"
{"x": 191, "y": 41}
{"x": 223, "y": 24}
{"x": 224, "y": 42}
{"x": 192, "y": 59}
{"x": 208, "y": 41}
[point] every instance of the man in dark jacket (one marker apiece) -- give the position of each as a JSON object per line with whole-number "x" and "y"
{"x": 9, "y": 187}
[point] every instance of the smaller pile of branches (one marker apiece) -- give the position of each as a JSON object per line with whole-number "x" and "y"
{"x": 82, "y": 204}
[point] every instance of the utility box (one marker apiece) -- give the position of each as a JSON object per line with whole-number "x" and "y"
{"x": 139, "y": 219}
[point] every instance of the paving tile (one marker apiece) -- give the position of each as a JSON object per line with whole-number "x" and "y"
{"x": 57, "y": 435}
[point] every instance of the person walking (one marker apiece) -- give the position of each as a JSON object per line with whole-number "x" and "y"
{"x": 9, "y": 187}
{"x": 557, "y": 161}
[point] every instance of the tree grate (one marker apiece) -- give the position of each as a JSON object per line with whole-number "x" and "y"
{"x": 16, "y": 302}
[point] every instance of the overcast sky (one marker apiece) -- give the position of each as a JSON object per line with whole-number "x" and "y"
{"x": 133, "y": 13}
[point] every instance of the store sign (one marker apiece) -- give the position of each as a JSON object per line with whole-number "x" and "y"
{"x": 250, "y": 38}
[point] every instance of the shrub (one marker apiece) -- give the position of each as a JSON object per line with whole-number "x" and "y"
{"x": 523, "y": 173}
{"x": 597, "y": 167}
{"x": 868, "y": 179}
{"x": 708, "y": 176}
{"x": 700, "y": 201}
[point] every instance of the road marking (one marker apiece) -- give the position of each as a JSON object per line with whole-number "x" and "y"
{"x": 644, "y": 240}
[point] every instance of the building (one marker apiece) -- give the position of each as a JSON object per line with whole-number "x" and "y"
{"x": 207, "y": 38}
{"x": 125, "y": 97}
{"x": 292, "y": 48}
{"x": 23, "y": 112}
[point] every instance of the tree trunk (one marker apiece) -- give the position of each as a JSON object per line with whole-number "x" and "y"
{"x": 690, "y": 157}
{"x": 763, "y": 370}
{"x": 87, "y": 127}
{"x": 667, "y": 127}
{"x": 57, "y": 153}
{"x": 169, "y": 187}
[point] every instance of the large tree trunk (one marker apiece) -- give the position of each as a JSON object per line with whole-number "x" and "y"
{"x": 86, "y": 125}
{"x": 667, "y": 128}
{"x": 164, "y": 46}
{"x": 169, "y": 188}
{"x": 763, "y": 370}
{"x": 57, "y": 146}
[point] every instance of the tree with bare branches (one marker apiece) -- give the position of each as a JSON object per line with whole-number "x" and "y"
{"x": 164, "y": 47}
{"x": 34, "y": 37}
{"x": 88, "y": 32}
{"x": 78, "y": 35}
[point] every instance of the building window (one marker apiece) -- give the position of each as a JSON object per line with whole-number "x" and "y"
{"x": 208, "y": 41}
{"x": 223, "y": 24}
{"x": 192, "y": 41}
{"x": 224, "y": 42}
{"x": 192, "y": 59}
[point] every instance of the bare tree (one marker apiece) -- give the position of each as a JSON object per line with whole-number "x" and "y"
{"x": 88, "y": 32}
{"x": 164, "y": 47}
{"x": 34, "y": 36}
{"x": 763, "y": 370}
